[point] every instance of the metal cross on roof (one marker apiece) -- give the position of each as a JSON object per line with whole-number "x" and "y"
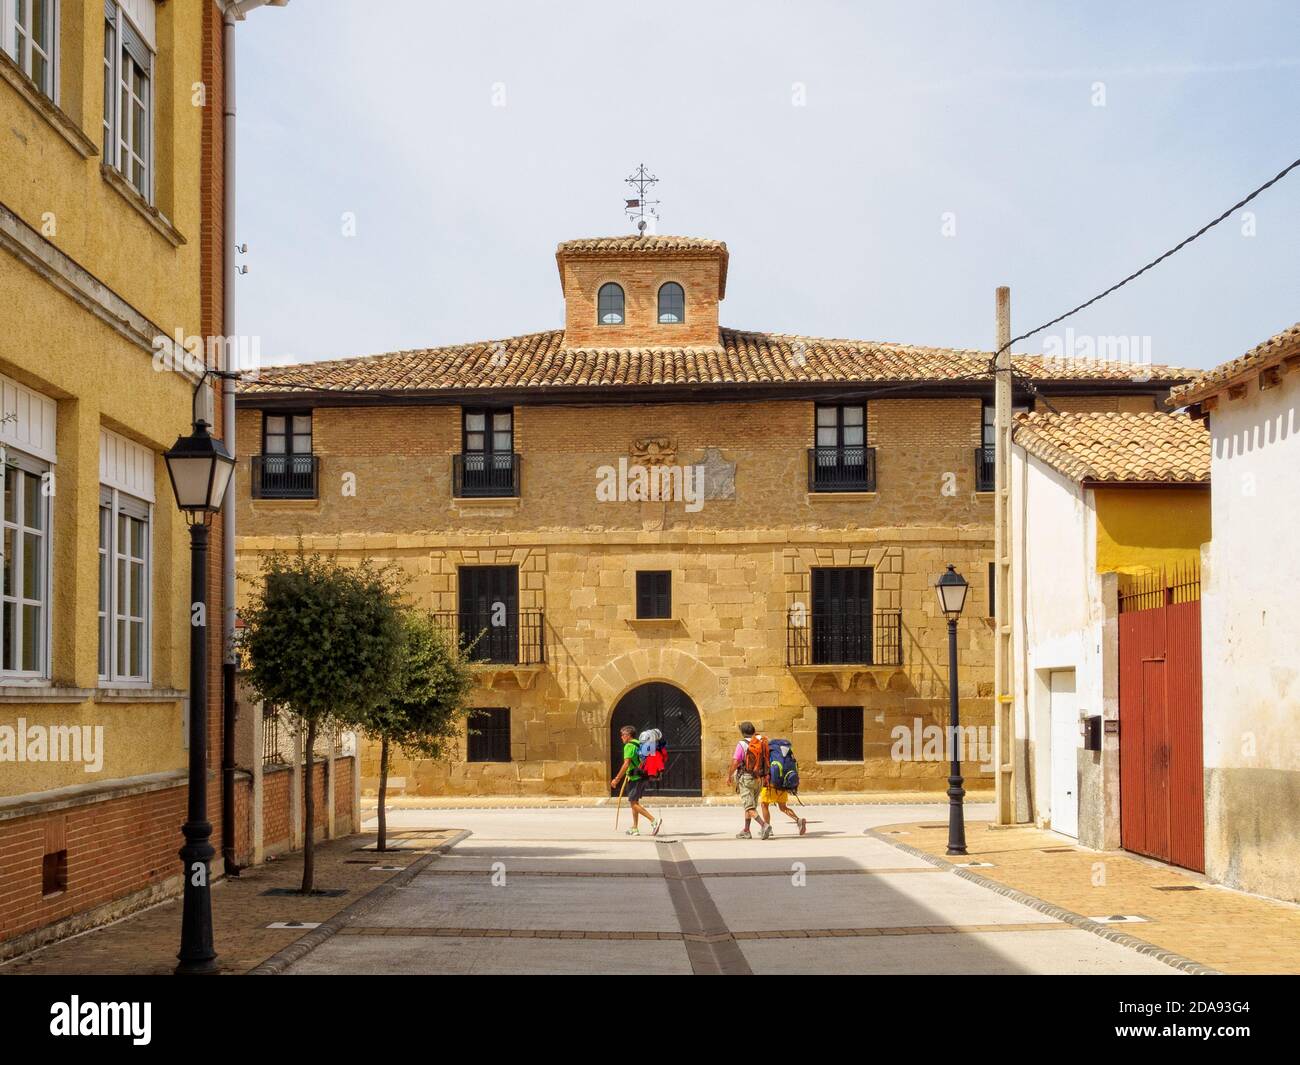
{"x": 638, "y": 208}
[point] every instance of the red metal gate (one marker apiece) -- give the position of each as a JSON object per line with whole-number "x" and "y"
{"x": 1162, "y": 805}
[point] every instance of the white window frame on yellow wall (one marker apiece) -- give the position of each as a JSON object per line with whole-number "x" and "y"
{"x": 25, "y": 539}
{"x": 17, "y": 37}
{"x": 28, "y": 435}
{"x": 126, "y": 500}
{"x": 129, "y": 49}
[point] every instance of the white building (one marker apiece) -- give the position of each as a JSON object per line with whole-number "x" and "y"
{"x": 1096, "y": 499}
{"x": 1251, "y": 628}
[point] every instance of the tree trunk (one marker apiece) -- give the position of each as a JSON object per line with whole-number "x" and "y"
{"x": 382, "y": 845}
{"x": 309, "y": 814}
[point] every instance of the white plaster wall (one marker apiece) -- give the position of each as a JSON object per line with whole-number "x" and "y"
{"x": 1251, "y": 595}
{"x": 1250, "y": 643}
{"x": 1057, "y": 615}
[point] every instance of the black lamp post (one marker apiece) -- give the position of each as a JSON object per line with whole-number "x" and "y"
{"x": 200, "y": 469}
{"x": 951, "y": 588}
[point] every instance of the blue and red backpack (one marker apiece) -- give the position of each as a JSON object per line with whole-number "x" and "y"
{"x": 782, "y": 769}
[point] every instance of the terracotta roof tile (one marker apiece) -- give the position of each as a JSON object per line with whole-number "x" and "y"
{"x": 1119, "y": 447}
{"x": 637, "y": 242}
{"x": 1271, "y": 351}
{"x": 542, "y": 361}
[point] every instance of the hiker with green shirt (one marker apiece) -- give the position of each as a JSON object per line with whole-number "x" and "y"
{"x": 635, "y": 783}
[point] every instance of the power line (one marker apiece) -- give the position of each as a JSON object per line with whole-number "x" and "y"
{"x": 1156, "y": 261}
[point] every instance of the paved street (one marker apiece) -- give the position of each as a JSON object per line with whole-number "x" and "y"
{"x": 545, "y": 890}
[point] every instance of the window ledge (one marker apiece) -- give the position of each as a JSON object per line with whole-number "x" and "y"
{"x": 43, "y": 693}
{"x": 840, "y": 497}
{"x": 285, "y": 504}
{"x": 143, "y": 207}
{"x": 656, "y": 623}
{"x": 485, "y": 502}
{"x": 143, "y": 694}
{"x": 63, "y": 123}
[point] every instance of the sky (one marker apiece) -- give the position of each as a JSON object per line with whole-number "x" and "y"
{"x": 407, "y": 167}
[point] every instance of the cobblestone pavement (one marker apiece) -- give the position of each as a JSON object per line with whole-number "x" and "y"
{"x": 561, "y": 891}
{"x": 1185, "y": 913}
{"x": 146, "y": 943}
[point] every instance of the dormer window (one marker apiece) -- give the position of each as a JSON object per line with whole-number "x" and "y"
{"x": 672, "y": 303}
{"x": 609, "y": 304}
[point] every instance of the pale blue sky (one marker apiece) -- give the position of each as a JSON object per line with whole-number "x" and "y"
{"x": 833, "y": 211}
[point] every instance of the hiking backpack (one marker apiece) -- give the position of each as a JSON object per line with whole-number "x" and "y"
{"x": 756, "y": 755}
{"x": 783, "y": 770}
{"x": 653, "y": 753}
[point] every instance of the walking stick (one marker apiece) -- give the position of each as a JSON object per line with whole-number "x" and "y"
{"x": 618, "y": 809}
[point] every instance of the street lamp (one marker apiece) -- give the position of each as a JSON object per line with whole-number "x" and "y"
{"x": 951, "y": 589}
{"x": 200, "y": 469}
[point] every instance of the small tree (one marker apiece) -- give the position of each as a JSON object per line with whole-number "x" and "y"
{"x": 325, "y": 642}
{"x": 423, "y": 717}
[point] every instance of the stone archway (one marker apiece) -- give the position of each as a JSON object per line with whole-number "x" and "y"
{"x": 669, "y": 709}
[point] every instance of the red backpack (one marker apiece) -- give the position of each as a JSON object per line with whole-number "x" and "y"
{"x": 757, "y": 755}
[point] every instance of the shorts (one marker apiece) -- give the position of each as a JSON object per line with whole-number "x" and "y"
{"x": 774, "y": 796}
{"x": 748, "y": 786}
{"x": 634, "y": 790}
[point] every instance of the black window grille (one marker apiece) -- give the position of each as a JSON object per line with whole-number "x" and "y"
{"x": 839, "y": 733}
{"x": 654, "y": 594}
{"x": 489, "y": 735}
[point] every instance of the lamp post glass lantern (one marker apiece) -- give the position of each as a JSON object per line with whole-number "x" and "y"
{"x": 951, "y": 589}
{"x": 199, "y": 467}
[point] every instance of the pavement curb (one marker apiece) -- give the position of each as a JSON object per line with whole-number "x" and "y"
{"x": 1173, "y": 960}
{"x": 277, "y": 963}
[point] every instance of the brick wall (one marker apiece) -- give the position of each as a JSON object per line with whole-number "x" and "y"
{"x": 116, "y": 849}
{"x": 277, "y": 792}
{"x": 640, "y": 274}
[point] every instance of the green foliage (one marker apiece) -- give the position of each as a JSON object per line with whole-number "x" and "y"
{"x": 324, "y": 641}
{"x": 424, "y": 715}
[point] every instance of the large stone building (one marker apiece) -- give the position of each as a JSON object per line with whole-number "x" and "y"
{"x": 654, "y": 519}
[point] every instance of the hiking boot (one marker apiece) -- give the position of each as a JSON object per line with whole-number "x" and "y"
{"x": 766, "y": 833}
{"x": 633, "y": 832}
{"x": 803, "y": 825}
{"x": 655, "y": 825}
{"x": 744, "y": 835}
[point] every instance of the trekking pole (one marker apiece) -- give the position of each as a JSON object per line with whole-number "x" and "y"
{"x": 618, "y": 809}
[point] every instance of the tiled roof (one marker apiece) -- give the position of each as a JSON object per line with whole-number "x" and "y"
{"x": 638, "y": 242}
{"x": 1119, "y": 447}
{"x": 1257, "y": 358}
{"x": 541, "y": 361}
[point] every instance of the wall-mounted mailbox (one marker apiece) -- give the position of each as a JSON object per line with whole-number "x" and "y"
{"x": 1092, "y": 733}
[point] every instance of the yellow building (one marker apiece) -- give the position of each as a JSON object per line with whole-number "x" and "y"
{"x": 109, "y": 256}
{"x": 661, "y": 521}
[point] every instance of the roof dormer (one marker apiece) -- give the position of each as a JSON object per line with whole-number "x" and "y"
{"x": 642, "y": 291}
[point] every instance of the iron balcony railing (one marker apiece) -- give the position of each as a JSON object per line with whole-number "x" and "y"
{"x": 819, "y": 639}
{"x": 485, "y": 475}
{"x": 841, "y": 469}
{"x": 985, "y": 468}
{"x": 515, "y": 640}
{"x": 285, "y": 476}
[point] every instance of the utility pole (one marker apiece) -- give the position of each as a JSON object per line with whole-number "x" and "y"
{"x": 1003, "y": 674}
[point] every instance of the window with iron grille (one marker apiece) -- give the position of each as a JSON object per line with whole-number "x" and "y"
{"x": 489, "y": 735}
{"x": 654, "y": 594}
{"x": 839, "y": 734}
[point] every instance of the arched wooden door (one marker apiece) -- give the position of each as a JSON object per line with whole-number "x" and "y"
{"x": 672, "y": 712}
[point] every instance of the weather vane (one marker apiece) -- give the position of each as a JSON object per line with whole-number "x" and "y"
{"x": 639, "y": 209}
